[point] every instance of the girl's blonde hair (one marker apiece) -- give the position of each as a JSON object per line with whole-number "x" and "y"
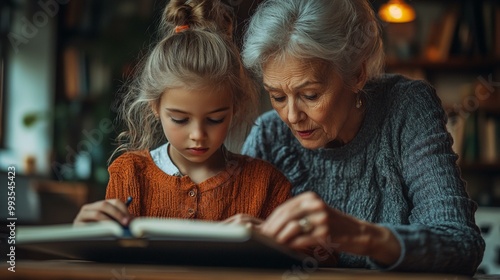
{"x": 200, "y": 55}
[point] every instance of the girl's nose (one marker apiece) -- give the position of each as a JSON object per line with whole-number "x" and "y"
{"x": 197, "y": 133}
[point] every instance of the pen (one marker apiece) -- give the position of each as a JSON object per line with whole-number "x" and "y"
{"x": 129, "y": 200}
{"x": 126, "y": 230}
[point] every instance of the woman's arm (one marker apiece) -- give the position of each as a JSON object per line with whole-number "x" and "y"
{"x": 442, "y": 235}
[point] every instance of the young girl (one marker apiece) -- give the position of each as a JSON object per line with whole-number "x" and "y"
{"x": 191, "y": 92}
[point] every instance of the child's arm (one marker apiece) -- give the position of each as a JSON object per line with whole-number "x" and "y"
{"x": 279, "y": 192}
{"x": 111, "y": 209}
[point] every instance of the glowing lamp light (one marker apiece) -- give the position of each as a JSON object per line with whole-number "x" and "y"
{"x": 396, "y": 11}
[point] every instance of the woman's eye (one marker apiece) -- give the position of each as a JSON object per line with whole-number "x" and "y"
{"x": 311, "y": 96}
{"x": 278, "y": 99}
{"x": 179, "y": 121}
{"x": 215, "y": 121}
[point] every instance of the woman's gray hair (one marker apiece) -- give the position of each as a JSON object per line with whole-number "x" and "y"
{"x": 344, "y": 33}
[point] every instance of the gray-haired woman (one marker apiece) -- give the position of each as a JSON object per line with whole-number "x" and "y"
{"x": 368, "y": 154}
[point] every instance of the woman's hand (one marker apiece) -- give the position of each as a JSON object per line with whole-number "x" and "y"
{"x": 244, "y": 219}
{"x": 111, "y": 209}
{"x": 307, "y": 221}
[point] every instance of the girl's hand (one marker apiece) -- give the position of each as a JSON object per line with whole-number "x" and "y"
{"x": 307, "y": 221}
{"x": 244, "y": 219}
{"x": 112, "y": 209}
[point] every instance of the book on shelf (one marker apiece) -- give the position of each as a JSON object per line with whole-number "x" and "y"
{"x": 474, "y": 19}
{"x": 471, "y": 143}
{"x": 84, "y": 74}
{"x": 71, "y": 68}
{"x": 489, "y": 140}
{"x": 496, "y": 30}
{"x": 161, "y": 241}
{"x": 441, "y": 34}
{"x": 100, "y": 76}
{"x": 83, "y": 16}
{"x": 73, "y": 14}
{"x": 474, "y": 123}
{"x": 76, "y": 73}
{"x": 488, "y": 21}
{"x": 476, "y": 137}
{"x": 467, "y": 29}
{"x": 455, "y": 126}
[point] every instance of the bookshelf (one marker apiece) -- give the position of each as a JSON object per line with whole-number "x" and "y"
{"x": 458, "y": 51}
{"x": 98, "y": 45}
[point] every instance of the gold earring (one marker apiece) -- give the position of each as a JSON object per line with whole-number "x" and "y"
{"x": 359, "y": 102}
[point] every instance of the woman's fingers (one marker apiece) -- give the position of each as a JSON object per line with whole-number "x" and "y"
{"x": 307, "y": 221}
{"x": 291, "y": 212}
{"x": 112, "y": 209}
{"x": 306, "y": 231}
{"x": 280, "y": 217}
{"x": 289, "y": 231}
{"x": 303, "y": 221}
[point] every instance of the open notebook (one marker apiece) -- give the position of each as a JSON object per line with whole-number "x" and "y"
{"x": 159, "y": 241}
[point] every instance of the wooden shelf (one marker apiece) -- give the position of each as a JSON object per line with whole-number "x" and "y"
{"x": 481, "y": 167}
{"x": 471, "y": 64}
{"x": 485, "y": 107}
{"x": 490, "y": 108}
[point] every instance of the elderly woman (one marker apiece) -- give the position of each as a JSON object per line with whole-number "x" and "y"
{"x": 368, "y": 155}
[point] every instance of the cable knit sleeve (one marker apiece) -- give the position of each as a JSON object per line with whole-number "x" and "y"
{"x": 115, "y": 189}
{"x": 120, "y": 183}
{"x": 442, "y": 235}
{"x": 279, "y": 192}
{"x": 271, "y": 140}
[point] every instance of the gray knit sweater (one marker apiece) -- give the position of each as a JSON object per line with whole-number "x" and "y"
{"x": 399, "y": 171}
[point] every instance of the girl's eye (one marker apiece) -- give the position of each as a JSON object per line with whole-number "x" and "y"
{"x": 216, "y": 121}
{"x": 179, "y": 121}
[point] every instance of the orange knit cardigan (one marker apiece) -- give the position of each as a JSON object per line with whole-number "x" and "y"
{"x": 248, "y": 185}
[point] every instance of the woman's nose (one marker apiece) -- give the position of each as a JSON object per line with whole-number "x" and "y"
{"x": 295, "y": 114}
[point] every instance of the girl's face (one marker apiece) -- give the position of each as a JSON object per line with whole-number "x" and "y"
{"x": 313, "y": 101}
{"x": 195, "y": 122}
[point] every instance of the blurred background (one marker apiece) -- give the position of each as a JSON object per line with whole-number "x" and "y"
{"x": 63, "y": 63}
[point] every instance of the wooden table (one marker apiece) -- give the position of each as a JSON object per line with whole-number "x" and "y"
{"x": 65, "y": 269}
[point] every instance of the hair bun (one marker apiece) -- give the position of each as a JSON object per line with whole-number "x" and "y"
{"x": 180, "y": 13}
{"x": 212, "y": 14}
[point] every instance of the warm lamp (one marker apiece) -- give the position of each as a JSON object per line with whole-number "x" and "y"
{"x": 396, "y": 11}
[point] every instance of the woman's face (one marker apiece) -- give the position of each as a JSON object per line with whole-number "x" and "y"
{"x": 312, "y": 100}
